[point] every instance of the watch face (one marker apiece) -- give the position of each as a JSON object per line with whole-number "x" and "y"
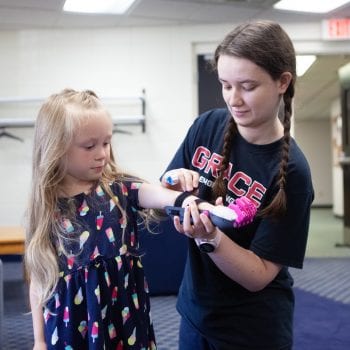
{"x": 206, "y": 247}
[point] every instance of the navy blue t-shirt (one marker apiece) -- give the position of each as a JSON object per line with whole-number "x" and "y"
{"x": 230, "y": 316}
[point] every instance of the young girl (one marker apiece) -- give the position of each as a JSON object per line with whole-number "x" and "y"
{"x": 87, "y": 284}
{"x": 239, "y": 295}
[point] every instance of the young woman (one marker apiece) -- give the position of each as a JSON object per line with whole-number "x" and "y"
{"x": 239, "y": 295}
{"x": 87, "y": 284}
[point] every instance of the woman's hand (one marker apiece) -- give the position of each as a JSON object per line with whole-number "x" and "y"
{"x": 181, "y": 180}
{"x": 195, "y": 224}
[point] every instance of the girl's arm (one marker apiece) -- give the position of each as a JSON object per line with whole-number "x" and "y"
{"x": 38, "y": 319}
{"x": 157, "y": 197}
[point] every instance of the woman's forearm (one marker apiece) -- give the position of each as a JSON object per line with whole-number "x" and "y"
{"x": 243, "y": 266}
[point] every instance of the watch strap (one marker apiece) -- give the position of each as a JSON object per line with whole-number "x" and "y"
{"x": 208, "y": 245}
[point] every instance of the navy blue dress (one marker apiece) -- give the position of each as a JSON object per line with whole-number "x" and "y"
{"x": 101, "y": 300}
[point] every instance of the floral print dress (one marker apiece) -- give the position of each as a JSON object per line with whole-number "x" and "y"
{"x": 101, "y": 300}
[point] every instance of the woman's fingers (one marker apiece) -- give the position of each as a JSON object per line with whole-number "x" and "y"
{"x": 184, "y": 228}
{"x": 188, "y": 179}
{"x": 219, "y": 201}
{"x": 181, "y": 179}
{"x": 195, "y": 224}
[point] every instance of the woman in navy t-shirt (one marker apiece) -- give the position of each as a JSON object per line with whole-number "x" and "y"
{"x": 239, "y": 295}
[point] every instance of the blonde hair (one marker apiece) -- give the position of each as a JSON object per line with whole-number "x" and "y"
{"x": 56, "y": 123}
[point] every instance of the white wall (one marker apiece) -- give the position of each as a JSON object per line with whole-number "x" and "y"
{"x": 314, "y": 137}
{"x": 337, "y": 171}
{"x": 119, "y": 61}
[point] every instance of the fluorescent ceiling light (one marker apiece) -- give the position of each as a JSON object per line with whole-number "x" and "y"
{"x": 98, "y": 6}
{"x": 316, "y": 6}
{"x": 304, "y": 62}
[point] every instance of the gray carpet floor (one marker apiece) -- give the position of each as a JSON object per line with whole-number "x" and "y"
{"x": 326, "y": 273}
{"x": 327, "y": 277}
{"x": 17, "y": 331}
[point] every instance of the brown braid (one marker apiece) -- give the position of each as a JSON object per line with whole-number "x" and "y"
{"x": 220, "y": 187}
{"x": 278, "y": 206}
{"x": 267, "y": 45}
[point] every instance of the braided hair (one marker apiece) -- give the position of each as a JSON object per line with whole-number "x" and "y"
{"x": 266, "y": 44}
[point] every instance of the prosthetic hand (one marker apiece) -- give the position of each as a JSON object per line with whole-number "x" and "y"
{"x": 239, "y": 213}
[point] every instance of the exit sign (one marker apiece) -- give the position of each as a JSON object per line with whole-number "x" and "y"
{"x": 336, "y": 29}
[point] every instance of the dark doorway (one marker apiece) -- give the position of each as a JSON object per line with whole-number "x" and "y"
{"x": 345, "y": 102}
{"x": 209, "y": 88}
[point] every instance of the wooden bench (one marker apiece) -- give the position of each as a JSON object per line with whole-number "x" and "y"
{"x": 11, "y": 240}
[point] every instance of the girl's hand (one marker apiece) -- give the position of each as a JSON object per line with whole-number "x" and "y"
{"x": 181, "y": 180}
{"x": 40, "y": 346}
{"x": 199, "y": 227}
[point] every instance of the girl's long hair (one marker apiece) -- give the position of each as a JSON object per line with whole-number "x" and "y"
{"x": 267, "y": 45}
{"x": 56, "y": 123}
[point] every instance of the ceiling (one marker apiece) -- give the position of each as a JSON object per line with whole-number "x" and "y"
{"x": 315, "y": 90}
{"x": 15, "y": 14}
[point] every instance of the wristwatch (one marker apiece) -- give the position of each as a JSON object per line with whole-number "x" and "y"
{"x": 208, "y": 245}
